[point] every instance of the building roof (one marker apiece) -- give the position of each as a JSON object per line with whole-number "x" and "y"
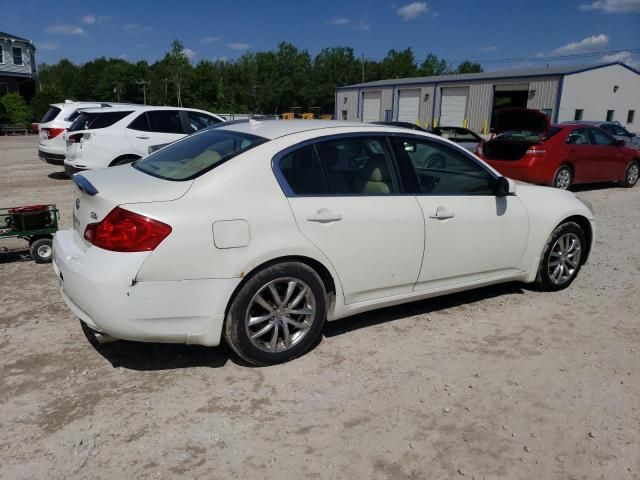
{"x": 13, "y": 37}
{"x": 464, "y": 77}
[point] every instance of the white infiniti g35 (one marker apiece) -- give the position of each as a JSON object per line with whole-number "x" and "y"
{"x": 258, "y": 232}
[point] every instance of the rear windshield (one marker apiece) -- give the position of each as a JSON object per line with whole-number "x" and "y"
{"x": 197, "y": 154}
{"x": 92, "y": 121}
{"x": 50, "y": 115}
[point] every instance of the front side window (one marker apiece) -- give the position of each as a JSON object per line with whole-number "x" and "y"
{"x": 197, "y": 121}
{"x": 578, "y": 115}
{"x": 579, "y": 136}
{"x": 165, "y": 121}
{"x": 443, "y": 170}
{"x": 197, "y": 154}
{"x": 610, "y": 115}
{"x": 358, "y": 166}
{"x": 601, "y": 138}
{"x": 17, "y": 56}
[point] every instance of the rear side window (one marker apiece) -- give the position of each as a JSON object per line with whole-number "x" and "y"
{"x": 197, "y": 121}
{"x": 303, "y": 172}
{"x": 50, "y": 115}
{"x": 94, "y": 121}
{"x": 197, "y": 154}
{"x": 165, "y": 121}
{"x": 141, "y": 123}
{"x": 579, "y": 136}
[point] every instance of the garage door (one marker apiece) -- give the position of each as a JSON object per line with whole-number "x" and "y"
{"x": 453, "y": 109}
{"x": 408, "y": 105}
{"x": 371, "y": 107}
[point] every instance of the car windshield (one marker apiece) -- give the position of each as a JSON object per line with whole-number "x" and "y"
{"x": 197, "y": 154}
{"x": 50, "y": 115}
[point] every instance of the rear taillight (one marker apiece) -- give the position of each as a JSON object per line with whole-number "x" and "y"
{"x": 125, "y": 231}
{"x": 536, "y": 151}
{"x": 77, "y": 137}
{"x": 53, "y": 132}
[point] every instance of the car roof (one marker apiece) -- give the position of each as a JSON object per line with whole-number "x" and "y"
{"x": 136, "y": 107}
{"x": 272, "y": 129}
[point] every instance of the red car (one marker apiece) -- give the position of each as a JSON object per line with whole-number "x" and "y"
{"x": 528, "y": 148}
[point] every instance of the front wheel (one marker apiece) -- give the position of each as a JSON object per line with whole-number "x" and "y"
{"x": 631, "y": 174}
{"x": 41, "y": 250}
{"x": 277, "y": 315}
{"x": 563, "y": 178}
{"x": 562, "y": 257}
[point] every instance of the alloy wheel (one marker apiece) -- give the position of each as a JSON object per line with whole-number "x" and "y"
{"x": 632, "y": 174}
{"x": 563, "y": 179}
{"x": 564, "y": 258}
{"x": 280, "y": 314}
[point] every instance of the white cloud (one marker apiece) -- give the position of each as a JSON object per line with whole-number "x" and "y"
{"x": 339, "y": 21}
{"x": 62, "y": 29}
{"x": 190, "y": 54}
{"x": 91, "y": 19}
{"x": 625, "y": 57}
{"x": 47, "y": 45}
{"x": 612, "y": 6}
{"x": 209, "y": 40}
{"x": 589, "y": 44}
{"x": 412, "y": 10}
{"x": 490, "y": 48}
{"x": 239, "y": 46}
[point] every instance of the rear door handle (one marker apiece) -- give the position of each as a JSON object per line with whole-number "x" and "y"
{"x": 143, "y": 138}
{"x": 442, "y": 213}
{"x": 324, "y": 216}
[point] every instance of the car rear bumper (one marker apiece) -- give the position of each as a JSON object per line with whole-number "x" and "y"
{"x": 49, "y": 157}
{"x": 526, "y": 170}
{"x": 100, "y": 288}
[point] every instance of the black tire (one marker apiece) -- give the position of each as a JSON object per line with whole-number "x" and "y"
{"x": 631, "y": 174}
{"x": 41, "y": 250}
{"x": 545, "y": 279}
{"x": 237, "y": 331}
{"x": 124, "y": 160}
{"x": 563, "y": 172}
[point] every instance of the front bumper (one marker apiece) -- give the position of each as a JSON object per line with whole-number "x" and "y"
{"x": 99, "y": 287}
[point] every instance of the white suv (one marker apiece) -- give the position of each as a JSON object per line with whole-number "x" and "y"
{"x": 59, "y": 117}
{"x": 105, "y": 137}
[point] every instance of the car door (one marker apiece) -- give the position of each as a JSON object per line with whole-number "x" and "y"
{"x": 611, "y": 160}
{"x": 582, "y": 154}
{"x": 471, "y": 234}
{"x": 348, "y": 200}
{"x": 154, "y": 127}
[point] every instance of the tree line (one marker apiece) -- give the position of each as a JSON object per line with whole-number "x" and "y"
{"x": 265, "y": 82}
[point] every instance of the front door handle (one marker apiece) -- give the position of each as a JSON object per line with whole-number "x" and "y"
{"x": 442, "y": 213}
{"x": 324, "y": 216}
{"x": 143, "y": 138}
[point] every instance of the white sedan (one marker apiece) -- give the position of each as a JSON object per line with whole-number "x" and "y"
{"x": 258, "y": 232}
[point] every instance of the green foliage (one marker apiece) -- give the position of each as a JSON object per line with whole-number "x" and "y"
{"x": 43, "y": 98}
{"x": 269, "y": 81}
{"x": 17, "y": 110}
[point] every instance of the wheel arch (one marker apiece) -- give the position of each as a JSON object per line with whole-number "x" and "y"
{"x": 322, "y": 271}
{"x": 585, "y": 224}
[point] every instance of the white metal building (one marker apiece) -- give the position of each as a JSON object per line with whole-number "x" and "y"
{"x": 608, "y": 91}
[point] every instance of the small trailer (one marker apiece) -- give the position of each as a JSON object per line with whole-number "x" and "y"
{"x": 34, "y": 223}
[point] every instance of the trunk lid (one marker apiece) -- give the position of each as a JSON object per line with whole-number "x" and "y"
{"x": 98, "y": 192}
{"x": 520, "y": 119}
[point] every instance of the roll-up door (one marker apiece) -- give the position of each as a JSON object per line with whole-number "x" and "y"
{"x": 408, "y": 105}
{"x": 371, "y": 106}
{"x": 453, "y": 108}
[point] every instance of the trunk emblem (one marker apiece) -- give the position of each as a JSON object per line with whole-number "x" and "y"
{"x": 77, "y": 203}
{"x": 94, "y": 215}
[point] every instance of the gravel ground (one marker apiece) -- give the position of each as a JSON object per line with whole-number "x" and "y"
{"x": 502, "y": 382}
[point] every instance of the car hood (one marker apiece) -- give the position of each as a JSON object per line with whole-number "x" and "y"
{"x": 520, "y": 119}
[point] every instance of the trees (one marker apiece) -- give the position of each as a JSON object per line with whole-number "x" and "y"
{"x": 269, "y": 81}
{"x": 16, "y": 109}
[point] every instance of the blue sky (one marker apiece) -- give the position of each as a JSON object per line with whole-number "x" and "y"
{"x": 477, "y": 30}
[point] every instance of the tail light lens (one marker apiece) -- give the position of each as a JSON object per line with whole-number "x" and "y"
{"x": 77, "y": 137}
{"x": 125, "y": 231}
{"x": 53, "y": 132}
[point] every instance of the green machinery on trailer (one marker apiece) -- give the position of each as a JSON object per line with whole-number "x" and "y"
{"x": 34, "y": 223}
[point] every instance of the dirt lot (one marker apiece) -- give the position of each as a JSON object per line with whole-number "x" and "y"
{"x": 501, "y": 383}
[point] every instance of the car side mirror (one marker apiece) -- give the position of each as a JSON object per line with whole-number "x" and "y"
{"x": 620, "y": 143}
{"x": 504, "y": 187}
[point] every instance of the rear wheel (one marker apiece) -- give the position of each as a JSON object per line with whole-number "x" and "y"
{"x": 563, "y": 178}
{"x": 41, "y": 250}
{"x": 277, "y": 315}
{"x": 562, "y": 257}
{"x": 631, "y": 174}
